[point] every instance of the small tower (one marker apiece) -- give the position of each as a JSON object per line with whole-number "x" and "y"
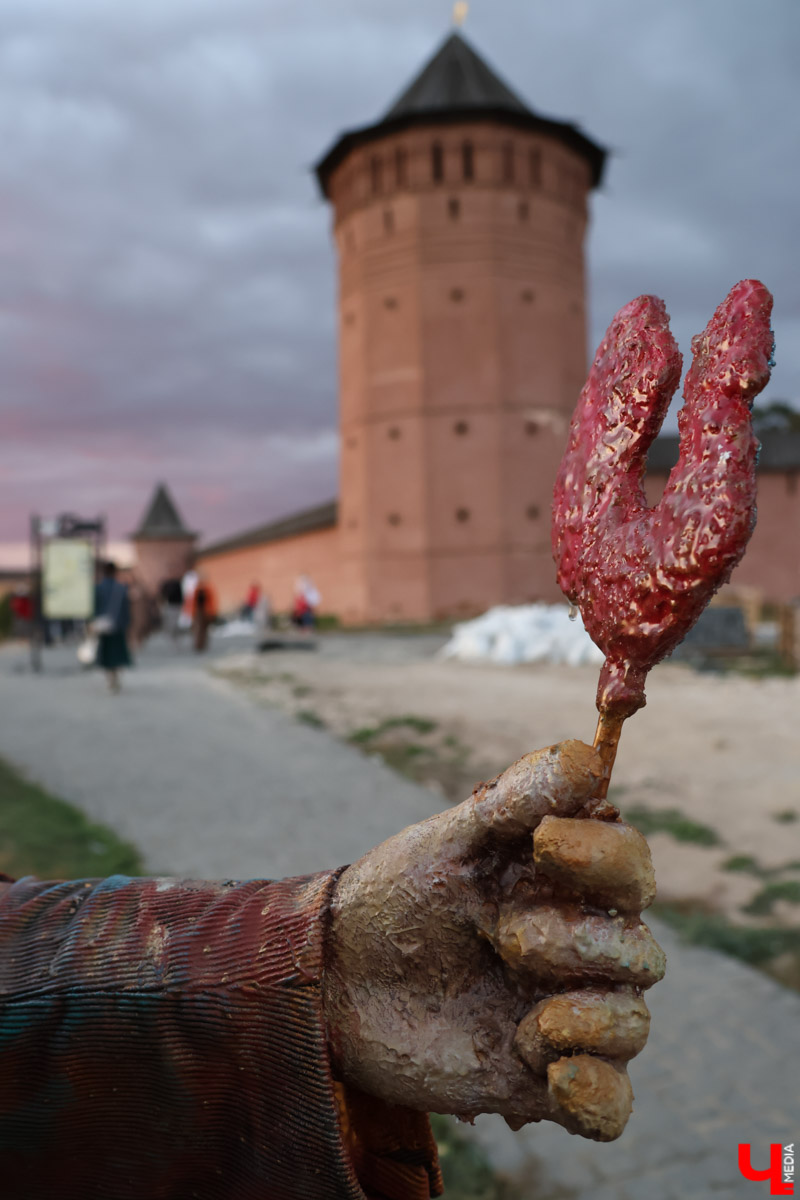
{"x": 459, "y": 221}
{"x": 164, "y": 546}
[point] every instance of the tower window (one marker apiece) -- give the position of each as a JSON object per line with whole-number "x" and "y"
{"x": 350, "y": 240}
{"x": 352, "y": 443}
{"x": 388, "y": 221}
{"x": 531, "y": 427}
{"x": 454, "y": 208}
{"x": 390, "y": 302}
{"x": 376, "y": 175}
{"x": 456, "y": 295}
{"x": 508, "y": 162}
{"x": 394, "y": 433}
{"x": 527, "y": 296}
{"x": 394, "y": 518}
{"x": 461, "y": 427}
{"x": 437, "y": 162}
{"x": 535, "y": 168}
{"x": 532, "y": 512}
{"x": 349, "y": 318}
{"x": 401, "y": 166}
{"x": 462, "y": 514}
{"x": 523, "y": 210}
{"x": 468, "y": 161}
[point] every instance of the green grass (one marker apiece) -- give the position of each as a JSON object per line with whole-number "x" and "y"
{"x": 466, "y": 1170}
{"x": 370, "y": 733}
{"x": 41, "y": 835}
{"x": 699, "y": 927}
{"x": 308, "y": 717}
{"x": 746, "y": 864}
{"x": 780, "y": 889}
{"x": 758, "y": 664}
{"x": 786, "y": 816}
{"x": 674, "y": 822}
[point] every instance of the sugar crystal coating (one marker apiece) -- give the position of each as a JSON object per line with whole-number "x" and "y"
{"x": 641, "y": 576}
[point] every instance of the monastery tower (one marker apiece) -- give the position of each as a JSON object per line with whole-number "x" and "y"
{"x": 459, "y": 222}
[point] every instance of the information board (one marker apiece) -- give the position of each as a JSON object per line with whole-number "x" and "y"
{"x": 67, "y": 579}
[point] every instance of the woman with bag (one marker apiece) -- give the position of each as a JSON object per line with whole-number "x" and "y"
{"x": 110, "y": 625}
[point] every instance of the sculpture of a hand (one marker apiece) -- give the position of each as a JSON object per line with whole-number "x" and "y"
{"x": 472, "y": 971}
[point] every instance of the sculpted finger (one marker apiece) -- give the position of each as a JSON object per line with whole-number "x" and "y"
{"x": 555, "y": 781}
{"x": 577, "y": 948}
{"x": 611, "y": 1024}
{"x": 595, "y": 1097}
{"x": 608, "y": 863}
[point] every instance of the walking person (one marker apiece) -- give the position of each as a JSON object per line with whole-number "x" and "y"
{"x": 112, "y": 618}
{"x": 171, "y": 605}
{"x": 204, "y": 611}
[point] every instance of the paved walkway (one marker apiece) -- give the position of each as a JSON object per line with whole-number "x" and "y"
{"x": 208, "y": 785}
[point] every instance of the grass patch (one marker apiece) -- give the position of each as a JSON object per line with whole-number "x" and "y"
{"x": 751, "y": 866}
{"x": 673, "y": 822}
{"x": 307, "y": 716}
{"x": 757, "y": 664}
{"x": 370, "y": 733}
{"x": 699, "y": 927}
{"x": 44, "y": 836}
{"x": 746, "y": 864}
{"x": 780, "y": 889}
{"x": 466, "y": 1170}
{"x": 786, "y": 817}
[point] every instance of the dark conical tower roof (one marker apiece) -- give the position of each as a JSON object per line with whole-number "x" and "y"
{"x": 457, "y": 85}
{"x": 162, "y": 520}
{"x": 455, "y": 78}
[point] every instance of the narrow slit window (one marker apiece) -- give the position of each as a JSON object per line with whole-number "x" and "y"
{"x": 468, "y": 161}
{"x": 376, "y": 175}
{"x": 508, "y": 162}
{"x": 437, "y": 162}
{"x": 535, "y": 168}
{"x": 401, "y": 166}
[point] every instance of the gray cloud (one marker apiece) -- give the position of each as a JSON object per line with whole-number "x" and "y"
{"x": 167, "y": 290}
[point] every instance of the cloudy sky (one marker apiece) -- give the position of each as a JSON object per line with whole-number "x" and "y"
{"x": 166, "y": 272}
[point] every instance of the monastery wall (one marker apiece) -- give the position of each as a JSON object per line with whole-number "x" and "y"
{"x": 275, "y": 566}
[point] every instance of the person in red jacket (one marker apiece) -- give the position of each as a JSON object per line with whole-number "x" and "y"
{"x": 284, "y": 1040}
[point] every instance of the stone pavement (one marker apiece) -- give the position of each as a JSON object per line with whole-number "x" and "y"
{"x": 206, "y": 784}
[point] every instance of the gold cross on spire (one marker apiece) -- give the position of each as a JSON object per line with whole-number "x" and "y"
{"x": 460, "y": 10}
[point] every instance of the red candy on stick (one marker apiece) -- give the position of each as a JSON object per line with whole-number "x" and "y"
{"x": 641, "y": 576}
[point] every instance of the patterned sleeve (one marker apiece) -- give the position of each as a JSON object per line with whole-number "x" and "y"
{"x": 165, "y": 1039}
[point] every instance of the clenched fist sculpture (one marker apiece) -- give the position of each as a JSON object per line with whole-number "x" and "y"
{"x": 491, "y": 959}
{"x": 284, "y": 1040}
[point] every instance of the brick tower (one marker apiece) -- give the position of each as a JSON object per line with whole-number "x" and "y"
{"x": 459, "y": 221}
{"x": 163, "y": 545}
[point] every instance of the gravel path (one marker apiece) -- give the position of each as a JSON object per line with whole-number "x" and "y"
{"x": 206, "y": 784}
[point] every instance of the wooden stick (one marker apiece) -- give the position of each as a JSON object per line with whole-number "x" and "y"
{"x": 606, "y": 740}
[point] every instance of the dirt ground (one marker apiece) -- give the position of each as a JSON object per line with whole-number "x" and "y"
{"x": 710, "y": 769}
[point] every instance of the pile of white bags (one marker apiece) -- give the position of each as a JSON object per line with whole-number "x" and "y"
{"x": 526, "y": 633}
